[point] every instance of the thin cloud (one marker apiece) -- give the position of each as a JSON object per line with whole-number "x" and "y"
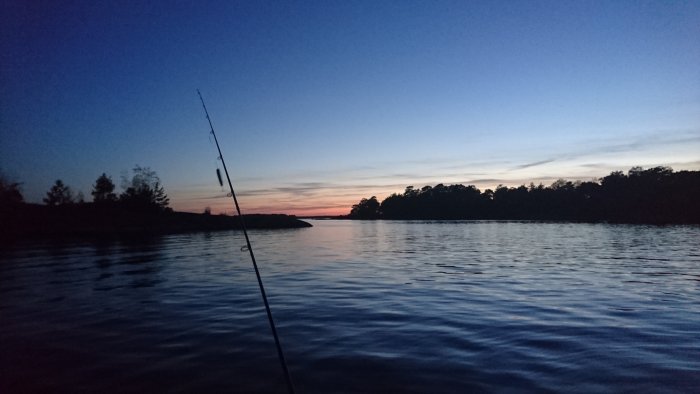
{"x": 337, "y": 189}
{"x": 655, "y": 139}
{"x": 485, "y": 180}
{"x": 686, "y": 164}
{"x": 219, "y": 196}
{"x": 479, "y": 164}
{"x": 534, "y": 164}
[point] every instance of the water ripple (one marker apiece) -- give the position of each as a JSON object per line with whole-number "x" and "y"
{"x": 415, "y": 307}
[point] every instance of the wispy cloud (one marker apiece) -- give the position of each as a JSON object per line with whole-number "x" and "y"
{"x": 634, "y": 144}
{"x": 533, "y": 164}
{"x": 334, "y": 190}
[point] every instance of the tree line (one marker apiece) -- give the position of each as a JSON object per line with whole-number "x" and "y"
{"x": 655, "y": 195}
{"x": 142, "y": 192}
{"x": 141, "y": 209}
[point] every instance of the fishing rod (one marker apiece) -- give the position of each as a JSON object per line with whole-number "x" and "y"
{"x": 280, "y": 354}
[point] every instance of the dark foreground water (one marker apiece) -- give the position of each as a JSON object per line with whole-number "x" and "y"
{"x": 421, "y": 307}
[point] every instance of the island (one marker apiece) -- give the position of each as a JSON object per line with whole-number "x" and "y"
{"x": 141, "y": 209}
{"x": 89, "y": 219}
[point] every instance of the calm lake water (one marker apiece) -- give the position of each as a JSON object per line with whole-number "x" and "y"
{"x": 424, "y": 307}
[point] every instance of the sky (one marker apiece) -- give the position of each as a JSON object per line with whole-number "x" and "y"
{"x": 319, "y": 104}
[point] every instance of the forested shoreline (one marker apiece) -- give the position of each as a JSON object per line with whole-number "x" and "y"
{"x": 657, "y": 195}
{"x": 109, "y": 220}
{"x": 141, "y": 209}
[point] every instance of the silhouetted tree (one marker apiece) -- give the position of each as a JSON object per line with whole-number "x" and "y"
{"x": 10, "y": 193}
{"x": 59, "y": 194}
{"x": 366, "y": 209}
{"x": 103, "y": 190}
{"x": 143, "y": 191}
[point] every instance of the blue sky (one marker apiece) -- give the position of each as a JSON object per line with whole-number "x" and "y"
{"x": 318, "y": 104}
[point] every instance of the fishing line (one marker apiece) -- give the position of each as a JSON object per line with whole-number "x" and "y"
{"x": 249, "y": 248}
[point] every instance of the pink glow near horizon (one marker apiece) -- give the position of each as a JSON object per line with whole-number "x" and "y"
{"x": 322, "y": 203}
{"x": 320, "y": 197}
{"x": 249, "y": 205}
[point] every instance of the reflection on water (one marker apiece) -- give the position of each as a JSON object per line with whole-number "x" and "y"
{"x": 361, "y": 307}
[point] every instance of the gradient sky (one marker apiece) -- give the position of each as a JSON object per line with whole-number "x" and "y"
{"x": 318, "y": 104}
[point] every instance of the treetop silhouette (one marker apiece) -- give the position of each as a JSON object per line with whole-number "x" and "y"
{"x": 103, "y": 190}
{"x": 59, "y": 194}
{"x": 655, "y": 195}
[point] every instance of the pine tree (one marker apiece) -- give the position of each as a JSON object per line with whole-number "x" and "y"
{"x": 59, "y": 194}
{"x": 103, "y": 190}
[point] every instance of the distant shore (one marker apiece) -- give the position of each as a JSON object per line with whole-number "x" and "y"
{"x": 653, "y": 196}
{"x": 325, "y": 217}
{"x": 24, "y": 221}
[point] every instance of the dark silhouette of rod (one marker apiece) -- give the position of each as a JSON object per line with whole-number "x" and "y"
{"x": 280, "y": 354}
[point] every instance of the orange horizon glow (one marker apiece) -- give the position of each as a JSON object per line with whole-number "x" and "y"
{"x": 336, "y": 199}
{"x": 225, "y": 206}
{"x": 325, "y": 202}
